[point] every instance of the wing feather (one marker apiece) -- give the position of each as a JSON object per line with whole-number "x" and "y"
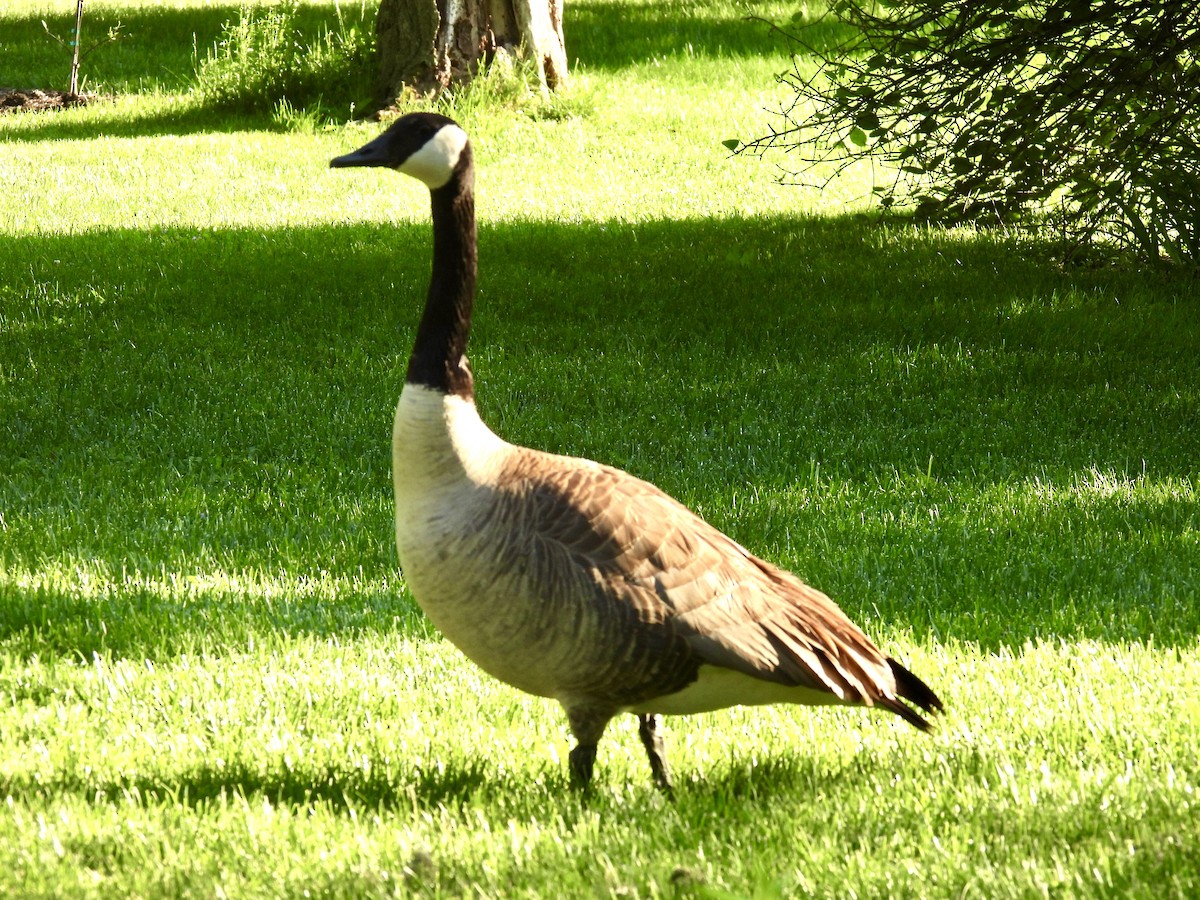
{"x": 716, "y": 602}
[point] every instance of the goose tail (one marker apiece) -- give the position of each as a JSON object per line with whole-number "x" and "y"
{"x": 911, "y": 688}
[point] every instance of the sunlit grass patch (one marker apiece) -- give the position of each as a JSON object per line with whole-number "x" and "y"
{"x": 212, "y": 678}
{"x": 1050, "y": 773}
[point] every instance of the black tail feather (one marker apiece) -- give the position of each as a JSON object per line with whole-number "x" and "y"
{"x": 913, "y": 689}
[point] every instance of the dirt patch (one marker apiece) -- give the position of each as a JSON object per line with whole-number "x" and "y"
{"x": 34, "y": 100}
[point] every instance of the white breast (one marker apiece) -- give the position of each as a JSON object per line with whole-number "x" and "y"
{"x": 445, "y": 467}
{"x": 439, "y": 443}
{"x": 444, "y": 464}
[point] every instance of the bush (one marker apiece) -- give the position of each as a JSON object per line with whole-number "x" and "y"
{"x": 1078, "y": 114}
{"x": 264, "y": 61}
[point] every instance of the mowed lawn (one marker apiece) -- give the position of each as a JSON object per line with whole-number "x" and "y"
{"x": 213, "y": 681}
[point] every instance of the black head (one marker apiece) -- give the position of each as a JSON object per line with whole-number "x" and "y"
{"x": 426, "y": 146}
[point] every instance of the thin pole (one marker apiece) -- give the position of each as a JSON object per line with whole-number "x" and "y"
{"x": 75, "y": 41}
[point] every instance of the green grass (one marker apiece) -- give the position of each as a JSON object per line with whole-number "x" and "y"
{"x": 212, "y": 680}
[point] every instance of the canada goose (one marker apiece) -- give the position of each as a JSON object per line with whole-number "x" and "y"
{"x": 570, "y": 579}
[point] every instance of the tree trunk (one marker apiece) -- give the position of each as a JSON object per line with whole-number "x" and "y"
{"x": 427, "y": 45}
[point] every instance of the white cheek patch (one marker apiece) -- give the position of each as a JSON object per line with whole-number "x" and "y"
{"x": 434, "y": 163}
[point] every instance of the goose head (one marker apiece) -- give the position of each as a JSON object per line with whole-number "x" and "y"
{"x": 426, "y": 146}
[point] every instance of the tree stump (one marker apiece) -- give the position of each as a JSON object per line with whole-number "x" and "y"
{"x": 428, "y": 45}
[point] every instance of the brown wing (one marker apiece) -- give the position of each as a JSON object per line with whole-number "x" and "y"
{"x": 693, "y": 594}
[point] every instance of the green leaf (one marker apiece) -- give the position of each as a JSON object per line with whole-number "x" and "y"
{"x": 732, "y": 144}
{"x": 960, "y": 165}
{"x": 867, "y": 120}
{"x": 858, "y": 137}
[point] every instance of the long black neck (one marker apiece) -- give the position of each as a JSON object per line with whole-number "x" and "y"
{"x": 439, "y": 355}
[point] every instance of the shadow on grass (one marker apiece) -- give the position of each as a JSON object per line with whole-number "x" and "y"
{"x": 160, "y": 49}
{"x": 159, "y": 46}
{"x": 745, "y": 782}
{"x": 157, "y": 50}
{"x": 184, "y": 402}
{"x": 174, "y": 119}
{"x": 157, "y": 53}
{"x": 606, "y": 38}
{"x": 451, "y": 783}
{"x": 379, "y": 789}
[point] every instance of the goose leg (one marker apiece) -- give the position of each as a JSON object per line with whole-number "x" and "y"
{"x": 587, "y": 725}
{"x": 653, "y": 742}
{"x": 581, "y": 761}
